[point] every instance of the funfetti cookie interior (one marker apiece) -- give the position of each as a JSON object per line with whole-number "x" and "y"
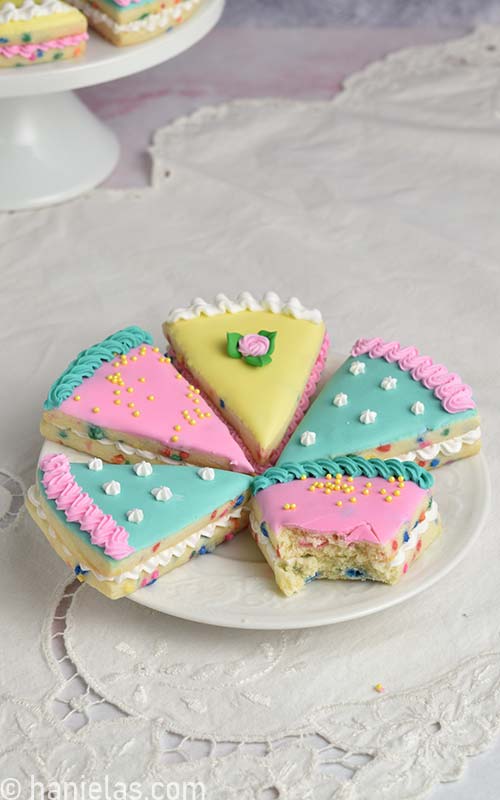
{"x": 257, "y": 361}
{"x": 386, "y": 400}
{"x": 123, "y": 400}
{"x": 120, "y": 527}
{"x": 343, "y": 519}
{"x": 38, "y": 31}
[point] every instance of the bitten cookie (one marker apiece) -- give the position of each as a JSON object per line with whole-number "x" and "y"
{"x": 122, "y": 527}
{"x": 38, "y": 31}
{"x": 343, "y": 519}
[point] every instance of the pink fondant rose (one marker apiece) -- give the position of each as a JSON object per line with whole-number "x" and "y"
{"x": 255, "y": 348}
{"x": 253, "y": 344}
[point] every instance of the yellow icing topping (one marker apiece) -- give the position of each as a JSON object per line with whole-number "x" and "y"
{"x": 262, "y": 399}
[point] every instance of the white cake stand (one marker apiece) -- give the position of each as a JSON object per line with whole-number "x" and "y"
{"x": 52, "y": 147}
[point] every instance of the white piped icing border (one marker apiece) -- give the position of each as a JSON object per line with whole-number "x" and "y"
{"x": 30, "y": 10}
{"x": 160, "y": 559}
{"x": 431, "y": 516}
{"x": 150, "y": 23}
{"x": 246, "y": 302}
{"x": 449, "y": 447}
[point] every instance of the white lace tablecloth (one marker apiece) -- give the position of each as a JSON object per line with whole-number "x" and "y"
{"x": 382, "y": 208}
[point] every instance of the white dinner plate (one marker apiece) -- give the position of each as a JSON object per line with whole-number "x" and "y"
{"x": 234, "y": 587}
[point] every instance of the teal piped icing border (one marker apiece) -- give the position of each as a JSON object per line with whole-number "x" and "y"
{"x": 88, "y": 361}
{"x": 346, "y": 465}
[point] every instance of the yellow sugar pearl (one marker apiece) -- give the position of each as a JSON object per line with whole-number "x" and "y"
{"x": 177, "y": 427}
{"x": 365, "y": 491}
{"x": 134, "y": 358}
{"x": 328, "y": 476}
{"x": 156, "y": 349}
{"x": 397, "y": 493}
{"x": 178, "y": 375}
{"x": 191, "y": 387}
{"x": 338, "y": 503}
{"x": 353, "y": 500}
{"x": 141, "y": 380}
{"x": 96, "y": 409}
{"x": 117, "y": 374}
{"x": 130, "y": 389}
{"x": 336, "y": 488}
{"x": 368, "y": 484}
{"x": 328, "y": 491}
{"x": 293, "y": 506}
{"x": 196, "y": 391}
{"x": 350, "y": 478}
{"x": 116, "y": 364}
{"x": 131, "y": 405}
{"x": 192, "y": 422}
{"x": 150, "y": 397}
{"x": 303, "y": 477}
{"x": 392, "y": 479}
{"x": 401, "y": 485}
{"x": 196, "y": 400}
{"x": 338, "y": 476}
{"x": 208, "y": 413}
{"x": 117, "y": 402}
{"x": 286, "y": 506}
{"x": 77, "y": 397}
{"x": 117, "y": 391}
{"x": 383, "y": 491}
{"x": 400, "y": 478}
{"x": 121, "y": 383}
{"x": 136, "y": 413}
{"x": 312, "y": 488}
{"x": 388, "y": 499}
{"x": 168, "y": 360}
{"x": 174, "y": 438}
{"x": 161, "y": 359}
{"x": 190, "y": 395}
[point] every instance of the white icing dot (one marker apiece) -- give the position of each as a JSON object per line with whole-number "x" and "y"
{"x": 135, "y": 515}
{"x": 162, "y": 493}
{"x": 95, "y": 464}
{"x": 367, "y": 416}
{"x": 388, "y": 383}
{"x": 357, "y": 368}
{"x": 143, "y": 469}
{"x": 308, "y": 438}
{"x": 340, "y": 399}
{"x": 418, "y": 408}
{"x": 112, "y": 487}
{"x": 206, "y": 473}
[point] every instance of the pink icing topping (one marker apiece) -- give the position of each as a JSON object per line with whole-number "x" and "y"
{"x": 455, "y": 396}
{"x": 61, "y": 486}
{"x": 370, "y": 519}
{"x": 253, "y": 344}
{"x": 160, "y": 398}
{"x": 30, "y": 51}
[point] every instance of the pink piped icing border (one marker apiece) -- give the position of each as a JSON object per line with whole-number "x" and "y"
{"x": 301, "y": 409}
{"x": 61, "y": 486}
{"x": 448, "y": 387}
{"x": 30, "y": 51}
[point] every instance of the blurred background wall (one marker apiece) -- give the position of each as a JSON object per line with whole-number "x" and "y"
{"x": 387, "y": 13}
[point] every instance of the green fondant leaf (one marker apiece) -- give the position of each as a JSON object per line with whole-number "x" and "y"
{"x": 271, "y": 335}
{"x": 258, "y": 361}
{"x": 232, "y": 345}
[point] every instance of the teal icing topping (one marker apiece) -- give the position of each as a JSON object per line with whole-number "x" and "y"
{"x": 346, "y": 465}
{"x": 88, "y": 361}
{"x": 339, "y": 430}
{"x": 193, "y": 499}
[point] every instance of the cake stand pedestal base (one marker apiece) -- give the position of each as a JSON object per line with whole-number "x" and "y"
{"x": 52, "y": 148}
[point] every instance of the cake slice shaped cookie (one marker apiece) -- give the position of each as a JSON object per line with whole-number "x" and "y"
{"x": 37, "y": 31}
{"x": 343, "y": 519}
{"x": 258, "y": 363}
{"x": 120, "y": 527}
{"x": 123, "y": 401}
{"x": 389, "y": 401}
